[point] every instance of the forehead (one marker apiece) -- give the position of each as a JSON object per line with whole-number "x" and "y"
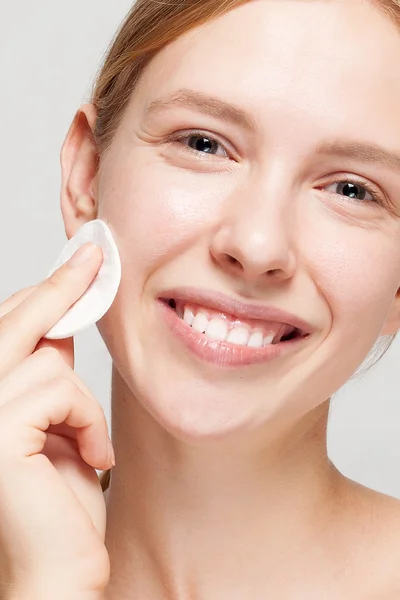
{"x": 335, "y": 61}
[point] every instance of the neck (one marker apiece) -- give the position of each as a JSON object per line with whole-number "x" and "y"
{"x": 200, "y": 520}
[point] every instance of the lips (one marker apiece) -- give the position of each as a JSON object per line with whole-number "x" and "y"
{"x": 236, "y": 309}
{"x": 209, "y": 347}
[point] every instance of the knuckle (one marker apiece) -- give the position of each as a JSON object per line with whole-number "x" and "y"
{"x": 16, "y": 295}
{"x": 64, "y": 384}
{"x": 60, "y": 276}
{"x": 53, "y": 282}
{"x": 4, "y": 324}
{"x": 48, "y": 351}
{"x": 20, "y": 295}
{"x": 8, "y": 325}
{"x": 7, "y": 433}
{"x": 52, "y": 357}
{"x": 62, "y": 388}
{"x": 15, "y": 299}
{"x": 7, "y": 308}
{"x": 98, "y": 410}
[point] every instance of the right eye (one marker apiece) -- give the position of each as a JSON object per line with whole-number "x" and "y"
{"x": 200, "y": 143}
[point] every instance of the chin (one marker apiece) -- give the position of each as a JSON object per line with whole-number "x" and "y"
{"x": 193, "y": 414}
{"x": 192, "y": 425}
{"x": 194, "y": 410}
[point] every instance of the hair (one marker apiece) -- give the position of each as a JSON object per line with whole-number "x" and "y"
{"x": 149, "y": 26}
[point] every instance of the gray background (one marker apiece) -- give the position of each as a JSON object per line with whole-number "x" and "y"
{"x": 49, "y": 54}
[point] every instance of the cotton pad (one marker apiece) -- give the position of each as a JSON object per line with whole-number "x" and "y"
{"x": 100, "y": 295}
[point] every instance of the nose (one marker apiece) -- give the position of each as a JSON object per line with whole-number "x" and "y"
{"x": 254, "y": 238}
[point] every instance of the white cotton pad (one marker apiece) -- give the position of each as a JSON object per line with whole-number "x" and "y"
{"x": 100, "y": 295}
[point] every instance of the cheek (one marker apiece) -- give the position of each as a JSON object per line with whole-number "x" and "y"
{"x": 157, "y": 210}
{"x": 156, "y": 214}
{"x": 357, "y": 273}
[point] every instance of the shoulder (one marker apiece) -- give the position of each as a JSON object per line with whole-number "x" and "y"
{"x": 377, "y": 520}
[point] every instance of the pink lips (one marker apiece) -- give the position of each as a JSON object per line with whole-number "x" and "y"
{"x": 225, "y": 354}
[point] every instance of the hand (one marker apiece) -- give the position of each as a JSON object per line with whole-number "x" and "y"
{"x": 53, "y": 435}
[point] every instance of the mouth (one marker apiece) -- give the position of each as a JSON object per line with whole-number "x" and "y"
{"x": 223, "y": 327}
{"x": 228, "y": 338}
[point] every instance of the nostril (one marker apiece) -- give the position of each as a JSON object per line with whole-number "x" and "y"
{"x": 231, "y": 259}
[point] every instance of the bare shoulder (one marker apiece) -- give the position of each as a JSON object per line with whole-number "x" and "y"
{"x": 378, "y": 534}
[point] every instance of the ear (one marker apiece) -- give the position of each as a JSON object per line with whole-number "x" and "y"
{"x": 392, "y": 324}
{"x": 79, "y": 162}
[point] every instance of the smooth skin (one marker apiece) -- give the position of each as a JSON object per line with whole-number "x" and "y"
{"x": 223, "y": 489}
{"x": 53, "y": 435}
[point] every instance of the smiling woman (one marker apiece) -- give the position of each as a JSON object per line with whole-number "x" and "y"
{"x": 245, "y": 155}
{"x": 249, "y": 160}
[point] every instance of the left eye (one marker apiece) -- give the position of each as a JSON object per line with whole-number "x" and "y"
{"x": 354, "y": 191}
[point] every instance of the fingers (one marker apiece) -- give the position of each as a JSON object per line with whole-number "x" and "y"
{"x": 16, "y": 299}
{"x": 33, "y": 376}
{"x": 23, "y": 326}
{"x": 65, "y": 347}
{"x": 24, "y": 421}
{"x": 45, "y": 364}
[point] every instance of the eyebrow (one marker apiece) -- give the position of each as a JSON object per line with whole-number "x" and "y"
{"x": 209, "y": 105}
{"x": 361, "y": 151}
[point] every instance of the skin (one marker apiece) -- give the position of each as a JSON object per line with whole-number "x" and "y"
{"x": 222, "y": 487}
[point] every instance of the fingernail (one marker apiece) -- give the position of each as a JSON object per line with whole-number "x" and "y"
{"x": 111, "y": 453}
{"x": 82, "y": 255}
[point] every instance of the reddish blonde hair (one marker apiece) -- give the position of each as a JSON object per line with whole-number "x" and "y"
{"x": 149, "y": 26}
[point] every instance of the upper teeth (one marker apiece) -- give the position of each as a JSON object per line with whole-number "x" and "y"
{"x": 217, "y": 329}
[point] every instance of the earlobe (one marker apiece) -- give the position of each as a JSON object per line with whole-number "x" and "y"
{"x": 79, "y": 162}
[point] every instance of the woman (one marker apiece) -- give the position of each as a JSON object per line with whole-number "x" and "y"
{"x": 246, "y": 157}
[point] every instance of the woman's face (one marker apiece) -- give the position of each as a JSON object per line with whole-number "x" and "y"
{"x": 297, "y": 209}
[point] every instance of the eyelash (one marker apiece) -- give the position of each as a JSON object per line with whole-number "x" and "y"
{"x": 176, "y": 138}
{"x": 378, "y": 198}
